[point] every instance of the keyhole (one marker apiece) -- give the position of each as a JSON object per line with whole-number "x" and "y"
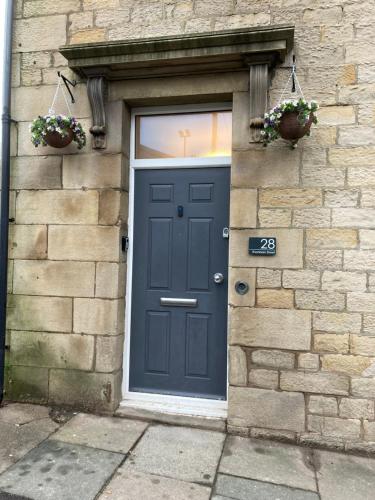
{"x": 180, "y": 211}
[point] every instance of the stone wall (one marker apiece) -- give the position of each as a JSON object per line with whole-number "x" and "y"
{"x": 302, "y": 342}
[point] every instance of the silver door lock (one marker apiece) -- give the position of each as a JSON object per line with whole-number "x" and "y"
{"x": 218, "y": 278}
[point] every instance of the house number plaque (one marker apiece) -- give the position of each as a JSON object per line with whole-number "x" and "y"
{"x": 262, "y": 246}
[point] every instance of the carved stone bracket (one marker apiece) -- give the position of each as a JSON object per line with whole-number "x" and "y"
{"x": 97, "y": 93}
{"x": 258, "y": 98}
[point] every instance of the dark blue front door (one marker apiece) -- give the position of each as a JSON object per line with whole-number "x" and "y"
{"x": 178, "y": 340}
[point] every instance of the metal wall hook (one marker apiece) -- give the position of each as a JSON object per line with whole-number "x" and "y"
{"x": 67, "y": 83}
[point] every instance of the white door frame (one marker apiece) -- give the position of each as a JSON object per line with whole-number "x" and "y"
{"x": 162, "y": 402}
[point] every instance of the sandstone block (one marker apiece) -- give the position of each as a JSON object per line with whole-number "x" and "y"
{"x": 87, "y": 391}
{"x": 312, "y": 217}
{"x": 241, "y": 274}
{"x": 360, "y": 344}
{"x": 110, "y": 280}
{"x": 369, "y": 428}
{"x": 265, "y": 408}
{"x": 27, "y": 102}
{"x": 92, "y": 171}
{"x": 341, "y": 198}
{"x": 343, "y": 281}
{"x": 57, "y": 207}
{"x": 356, "y": 408}
{"x": 268, "y": 278}
{"x": 84, "y": 243}
{"x": 368, "y": 198}
{"x": 240, "y": 120}
{"x": 308, "y": 361}
{"x": 301, "y": 279}
{"x": 335, "y": 427}
{"x": 50, "y": 350}
{"x": 360, "y": 155}
{"x": 51, "y": 314}
{"x": 48, "y": 7}
{"x": 280, "y": 198}
{"x": 275, "y": 217}
{"x": 325, "y": 16}
{"x": 113, "y": 207}
{"x": 356, "y": 136}
{"x": 97, "y": 316}
{"x": 109, "y": 353}
{"x": 100, "y": 4}
{"x": 27, "y": 242}
{"x": 42, "y": 172}
{"x": 321, "y": 383}
{"x": 274, "y": 328}
{"x": 27, "y": 384}
{"x": 321, "y": 405}
{"x": 289, "y": 252}
{"x": 323, "y": 259}
{"x": 363, "y": 387}
{"x": 361, "y": 260}
{"x": 273, "y": 359}
{"x": 336, "y": 115}
{"x": 264, "y": 168}
{"x": 107, "y": 18}
{"x": 88, "y": 36}
{"x": 237, "y": 366}
{"x": 213, "y": 8}
{"x": 331, "y": 343}
{"x": 367, "y": 239}
{"x": 323, "y": 177}
{"x": 243, "y": 208}
{"x": 81, "y": 21}
{"x": 32, "y": 35}
{"x": 277, "y": 299}
{"x": 351, "y": 365}
{"x": 331, "y": 238}
{"x": 268, "y": 379}
{"x": 361, "y": 176}
{"x": 68, "y": 279}
{"x": 361, "y": 302}
{"x": 337, "y": 322}
{"x": 369, "y": 324}
{"x": 325, "y": 301}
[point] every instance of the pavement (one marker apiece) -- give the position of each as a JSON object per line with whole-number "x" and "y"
{"x": 50, "y": 454}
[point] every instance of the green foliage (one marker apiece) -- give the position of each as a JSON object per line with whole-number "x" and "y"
{"x": 272, "y": 119}
{"x": 56, "y": 123}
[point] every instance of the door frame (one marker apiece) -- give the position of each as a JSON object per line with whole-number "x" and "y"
{"x": 162, "y": 402}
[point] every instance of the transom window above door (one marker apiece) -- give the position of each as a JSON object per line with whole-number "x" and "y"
{"x": 198, "y": 134}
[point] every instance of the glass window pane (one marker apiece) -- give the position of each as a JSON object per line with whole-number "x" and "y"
{"x": 205, "y": 134}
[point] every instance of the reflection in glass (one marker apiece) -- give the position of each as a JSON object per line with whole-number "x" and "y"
{"x": 191, "y": 135}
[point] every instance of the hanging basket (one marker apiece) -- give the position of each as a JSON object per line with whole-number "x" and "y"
{"x": 56, "y": 140}
{"x": 290, "y": 127}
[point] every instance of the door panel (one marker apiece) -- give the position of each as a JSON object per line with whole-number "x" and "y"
{"x": 178, "y": 246}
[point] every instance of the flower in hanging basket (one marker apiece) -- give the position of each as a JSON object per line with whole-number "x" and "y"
{"x": 57, "y": 131}
{"x": 290, "y": 120}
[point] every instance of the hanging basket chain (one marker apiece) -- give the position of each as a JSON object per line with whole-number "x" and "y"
{"x": 51, "y": 110}
{"x": 295, "y": 83}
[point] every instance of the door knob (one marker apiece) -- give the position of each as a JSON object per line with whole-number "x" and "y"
{"x": 218, "y": 278}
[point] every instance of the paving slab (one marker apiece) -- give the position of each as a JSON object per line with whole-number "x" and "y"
{"x": 18, "y": 439}
{"x": 134, "y": 485}
{"x": 106, "y": 433}
{"x": 60, "y": 471}
{"x": 179, "y": 453}
{"x": 248, "y": 489}
{"x": 269, "y": 462}
{"x": 345, "y": 477}
{"x": 18, "y": 413}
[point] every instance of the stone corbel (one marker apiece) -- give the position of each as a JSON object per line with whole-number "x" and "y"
{"x": 258, "y": 98}
{"x": 97, "y": 93}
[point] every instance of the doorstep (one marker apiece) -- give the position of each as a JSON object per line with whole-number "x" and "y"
{"x": 167, "y": 414}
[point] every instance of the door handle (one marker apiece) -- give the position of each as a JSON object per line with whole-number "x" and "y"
{"x": 166, "y": 301}
{"x": 218, "y": 278}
